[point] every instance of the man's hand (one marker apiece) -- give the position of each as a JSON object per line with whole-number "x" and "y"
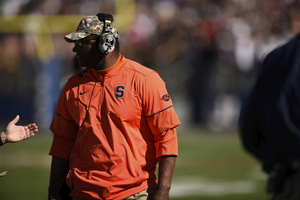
{"x": 14, "y": 133}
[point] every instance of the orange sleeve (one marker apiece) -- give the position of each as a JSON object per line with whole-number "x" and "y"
{"x": 161, "y": 116}
{"x": 166, "y": 143}
{"x": 64, "y": 129}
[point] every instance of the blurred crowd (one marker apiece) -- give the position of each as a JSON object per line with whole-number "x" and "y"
{"x": 207, "y": 51}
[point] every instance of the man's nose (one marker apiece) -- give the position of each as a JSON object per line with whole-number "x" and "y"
{"x": 75, "y": 49}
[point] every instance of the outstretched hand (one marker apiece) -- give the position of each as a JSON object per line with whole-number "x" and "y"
{"x": 14, "y": 133}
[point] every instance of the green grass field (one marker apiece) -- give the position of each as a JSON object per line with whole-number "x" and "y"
{"x": 210, "y": 166}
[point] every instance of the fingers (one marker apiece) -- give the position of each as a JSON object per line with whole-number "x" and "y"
{"x": 33, "y": 127}
{"x": 15, "y": 120}
{"x": 29, "y": 133}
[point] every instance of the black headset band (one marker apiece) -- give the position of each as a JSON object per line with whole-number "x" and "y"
{"x": 104, "y": 16}
{"x": 107, "y": 19}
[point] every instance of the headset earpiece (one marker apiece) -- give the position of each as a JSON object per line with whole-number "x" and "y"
{"x": 106, "y": 41}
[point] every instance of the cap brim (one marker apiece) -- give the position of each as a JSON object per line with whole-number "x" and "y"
{"x": 75, "y": 36}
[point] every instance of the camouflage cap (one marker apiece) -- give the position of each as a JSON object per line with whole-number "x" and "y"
{"x": 87, "y": 26}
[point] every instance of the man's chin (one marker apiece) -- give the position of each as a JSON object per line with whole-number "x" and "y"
{"x": 81, "y": 64}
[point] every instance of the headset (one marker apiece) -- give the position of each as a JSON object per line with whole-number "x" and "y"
{"x": 106, "y": 41}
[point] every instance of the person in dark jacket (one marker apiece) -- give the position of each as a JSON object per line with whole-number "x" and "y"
{"x": 269, "y": 124}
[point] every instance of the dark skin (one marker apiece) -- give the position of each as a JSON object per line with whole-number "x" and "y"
{"x": 59, "y": 168}
{"x": 89, "y": 56}
{"x": 165, "y": 173}
{"x": 86, "y": 55}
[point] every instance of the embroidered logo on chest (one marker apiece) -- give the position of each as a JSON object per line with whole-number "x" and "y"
{"x": 120, "y": 90}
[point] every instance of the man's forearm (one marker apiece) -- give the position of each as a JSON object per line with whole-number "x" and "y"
{"x": 165, "y": 173}
{"x": 166, "y": 168}
{"x": 59, "y": 168}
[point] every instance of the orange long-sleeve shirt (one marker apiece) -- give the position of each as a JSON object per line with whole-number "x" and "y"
{"x": 130, "y": 123}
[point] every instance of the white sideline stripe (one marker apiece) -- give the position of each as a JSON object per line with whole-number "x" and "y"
{"x": 24, "y": 159}
{"x": 191, "y": 187}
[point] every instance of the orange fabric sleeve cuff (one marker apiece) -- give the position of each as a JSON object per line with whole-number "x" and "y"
{"x": 166, "y": 143}
{"x": 61, "y": 148}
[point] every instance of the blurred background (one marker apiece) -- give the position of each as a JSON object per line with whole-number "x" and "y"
{"x": 207, "y": 52}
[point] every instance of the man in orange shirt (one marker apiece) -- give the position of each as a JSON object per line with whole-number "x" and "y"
{"x": 114, "y": 122}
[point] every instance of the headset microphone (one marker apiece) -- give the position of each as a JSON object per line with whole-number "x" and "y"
{"x": 83, "y": 72}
